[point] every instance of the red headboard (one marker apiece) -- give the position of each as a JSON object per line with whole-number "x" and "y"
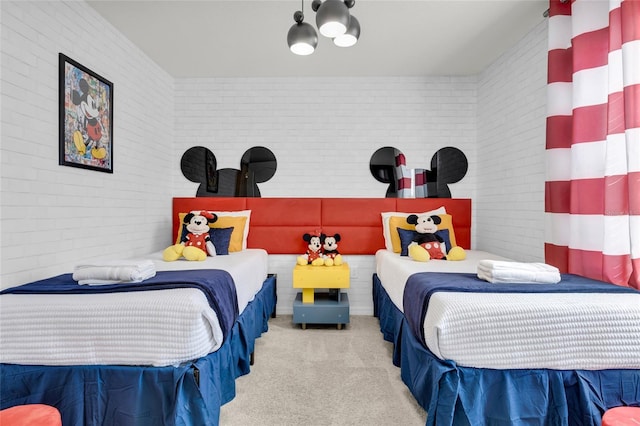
{"x": 277, "y": 224}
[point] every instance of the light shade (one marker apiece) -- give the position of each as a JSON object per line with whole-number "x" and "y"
{"x": 302, "y": 38}
{"x": 351, "y": 36}
{"x": 332, "y": 18}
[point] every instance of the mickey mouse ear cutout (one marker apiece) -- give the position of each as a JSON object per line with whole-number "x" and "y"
{"x": 448, "y": 165}
{"x": 257, "y": 165}
{"x": 195, "y": 162}
{"x": 383, "y": 168}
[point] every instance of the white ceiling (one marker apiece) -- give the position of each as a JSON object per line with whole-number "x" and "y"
{"x": 247, "y": 38}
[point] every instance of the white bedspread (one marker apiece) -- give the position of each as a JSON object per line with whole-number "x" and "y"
{"x": 521, "y": 331}
{"x": 162, "y": 327}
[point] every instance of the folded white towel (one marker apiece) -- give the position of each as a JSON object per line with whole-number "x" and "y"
{"x": 114, "y": 272}
{"x": 500, "y": 271}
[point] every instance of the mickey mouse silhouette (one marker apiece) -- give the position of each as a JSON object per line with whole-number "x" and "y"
{"x": 88, "y": 136}
{"x": 448, "y": 165}
{"x": 257, "y": 165}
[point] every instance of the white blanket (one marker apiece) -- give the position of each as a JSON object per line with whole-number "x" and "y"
{"x": 114, "y": 272}
{"x": 499, "y": 271}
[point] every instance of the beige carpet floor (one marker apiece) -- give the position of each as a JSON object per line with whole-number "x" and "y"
{"x": 322, "y": 376}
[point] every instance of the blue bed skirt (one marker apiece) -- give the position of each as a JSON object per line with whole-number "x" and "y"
{"x": 190, "y": 394}
{"x": 454, "y": 395}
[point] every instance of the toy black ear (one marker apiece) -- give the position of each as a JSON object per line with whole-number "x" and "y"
{"x": 337, "y": 237}
{"x": 436, "y": 219}
{"x": 413, "y": 219}
{"x": 306, "y": 237}
{"x": 187, "y": 218}
{"x": 213, "y": 219}
{"x": 322, "y": 238}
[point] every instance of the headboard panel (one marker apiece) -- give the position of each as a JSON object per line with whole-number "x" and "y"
{"x": 277, "y": 224}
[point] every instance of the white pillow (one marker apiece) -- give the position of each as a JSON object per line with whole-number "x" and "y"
{"x": 386, "y": 231}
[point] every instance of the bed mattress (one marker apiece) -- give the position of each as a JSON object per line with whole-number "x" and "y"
{"x": 156, "y": 328}
{"x": 568, "y": 331}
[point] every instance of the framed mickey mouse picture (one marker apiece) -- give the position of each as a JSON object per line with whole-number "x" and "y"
{"x": 86, "y": 117}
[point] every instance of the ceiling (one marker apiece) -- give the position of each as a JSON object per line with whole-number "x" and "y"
{"x": 247, "y": 38}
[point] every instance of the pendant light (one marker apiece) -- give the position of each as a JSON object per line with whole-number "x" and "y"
{"x": 332, "y": 17}
{"x": 350, "y": 37}
{"x": 302, "y": 37}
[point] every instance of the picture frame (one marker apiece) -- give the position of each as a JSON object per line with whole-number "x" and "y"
{"x": 86, "y": 117}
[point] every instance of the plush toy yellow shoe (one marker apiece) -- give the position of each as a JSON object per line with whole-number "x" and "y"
{"x": 418, "y": 253}
{"x": 194, "y": 253}
{"x": 457, "y": 253}
{"x": 172, "y": 253}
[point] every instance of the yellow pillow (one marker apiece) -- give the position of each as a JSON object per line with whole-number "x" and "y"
{"x": 396, "y": 222}
{"x": 237, "y": 235}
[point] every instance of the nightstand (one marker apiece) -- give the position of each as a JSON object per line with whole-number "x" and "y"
{"x": 310, "y": 307}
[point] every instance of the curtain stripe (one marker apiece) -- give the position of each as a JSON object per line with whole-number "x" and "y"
{"x": 560, "y": 196}
{"x": 588, "y": 160}
{"x": 596, "y": 44}
{"x": 590, "y": 123}
{"x": 604, "y": 232}
{"x": 557, "y": 196}
{"x": 632, "y": 137}
{"x": 631, "y": 55}
{"x": 560, "y": 99}
{"x": 634, "y": 202}
{"x": 558, "y": 164}
{"x": 559, "y": 131}
{"x": 629, "y": 12}
{"x": 632, "y": 106}
{"x": 588, "y": 15}
{"x": 592, "y": 188}
{"x": 559, "y": 68}
{"x": 557, "y": 230}
{"x": 590, "y": 86}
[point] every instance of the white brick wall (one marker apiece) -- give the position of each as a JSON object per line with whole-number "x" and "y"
{"x": 323, "y": 131}
{"x": 509, "y": 202}
{"x": 54, "y": 217}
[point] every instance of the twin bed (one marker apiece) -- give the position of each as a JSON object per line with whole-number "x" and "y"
{"x": 164, "y": 351}
{"x": 477, "y": 353}
{"x": 511, "y": 356}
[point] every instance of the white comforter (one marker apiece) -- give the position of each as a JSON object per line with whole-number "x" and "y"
{"x": 517, "y": 330}
{"x": 163, "y": 327}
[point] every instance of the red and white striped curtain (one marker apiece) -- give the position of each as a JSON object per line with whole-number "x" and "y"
{"x": 592, "y": 193}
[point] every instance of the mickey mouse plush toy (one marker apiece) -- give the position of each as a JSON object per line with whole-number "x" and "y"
{"x": 313, "y": 255}
{"x": 427, "y": 244}
{"x": 196, "y": 244}
{"x": 331, "y": 255}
